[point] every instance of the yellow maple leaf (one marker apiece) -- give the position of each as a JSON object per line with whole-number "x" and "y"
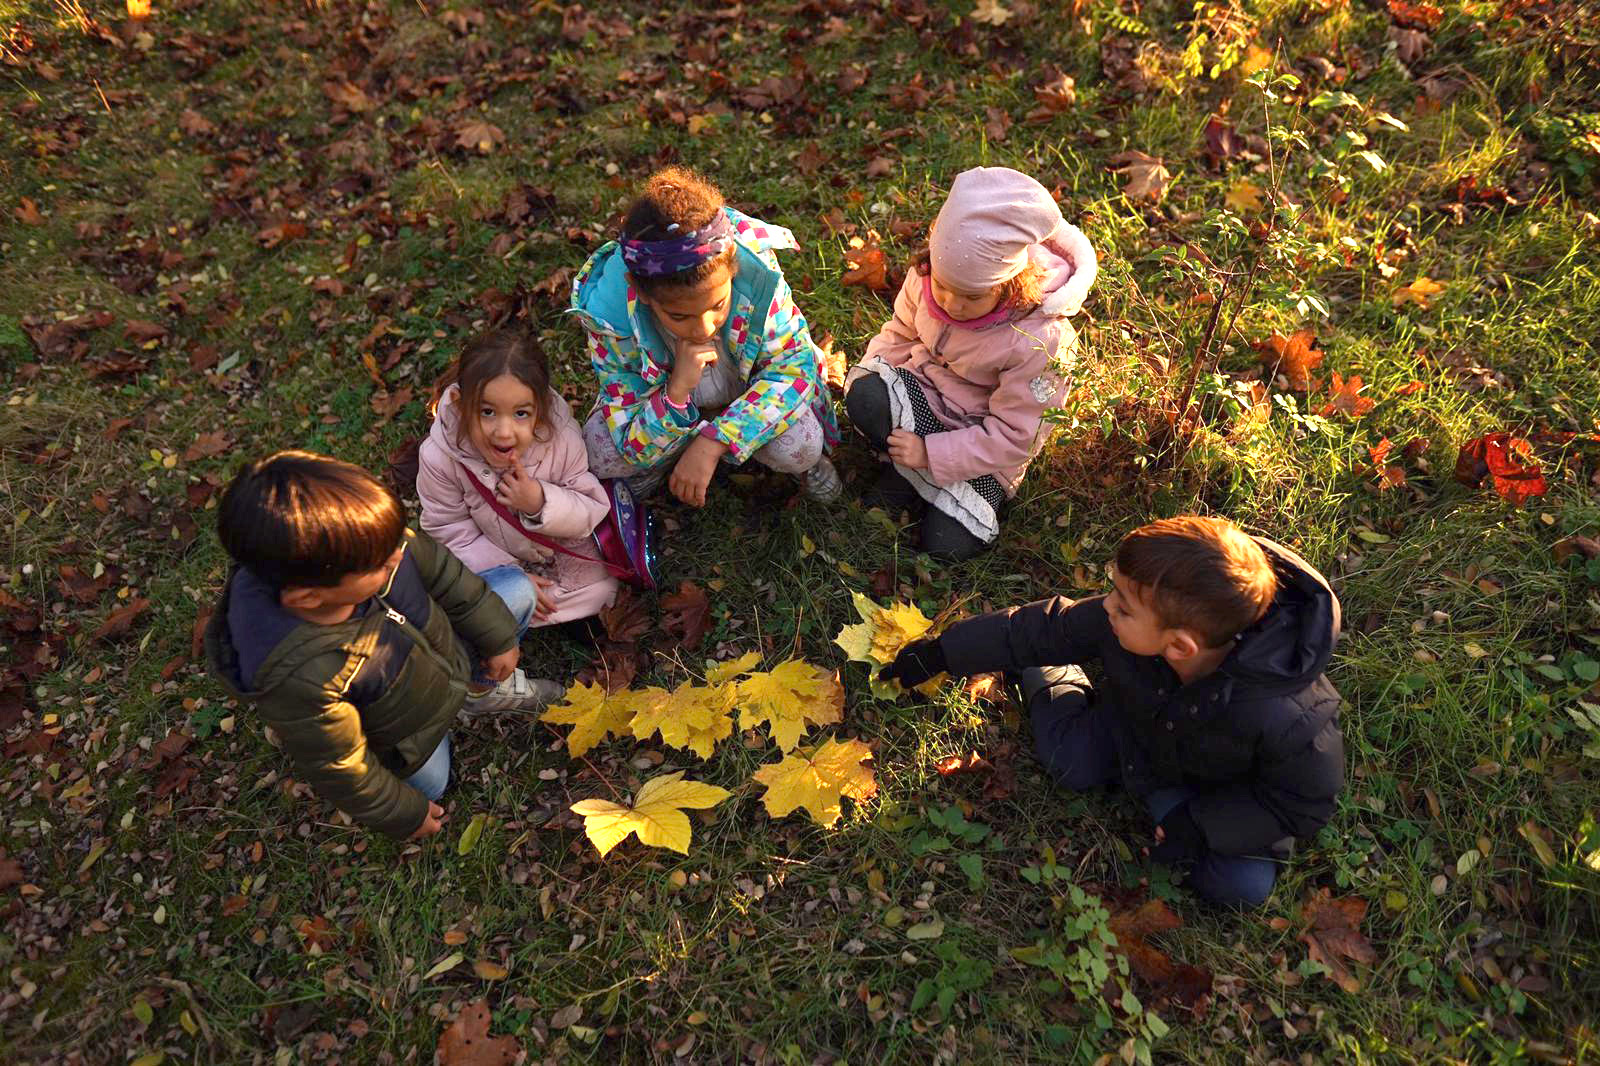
{"x": 898, "y": 626}
{"x": 816, "y": 779}
{"x": 694, "y": 717}
{"x": 879, "y": 636}
{"x": 656, "y": 815}
{"x": 592, "y": 714}
{"x": 724, "y": 672}
{"x": 787, "y": 697}
{"x": 1418, "y": 292}
{"x": 1244, "y": 197}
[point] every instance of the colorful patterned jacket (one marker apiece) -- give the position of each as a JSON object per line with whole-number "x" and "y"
{"x": 765, "y": 330}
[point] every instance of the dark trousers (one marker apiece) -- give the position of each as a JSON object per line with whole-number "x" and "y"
{"x": 867, "y": 403}
{"x": 1072, "y": 736}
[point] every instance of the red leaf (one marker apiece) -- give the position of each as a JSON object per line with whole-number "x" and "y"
{"x": 466, "y": 1040}
{"x": 175, "y": 778}
{"x": 971, "y": 763}
{"x": 686, "y": 614}
{"x": 10, "y": 871}
{"x": 1508, "y": 461}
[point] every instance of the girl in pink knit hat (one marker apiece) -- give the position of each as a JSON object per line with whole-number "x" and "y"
{"x": 953, "y": 389}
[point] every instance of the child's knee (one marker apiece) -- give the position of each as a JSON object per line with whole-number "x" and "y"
{"x": 795, "y": 450}
{"x": 1235, "y": 881}
{"x": 516, "y": 590}
{"x": 867, "y": 403}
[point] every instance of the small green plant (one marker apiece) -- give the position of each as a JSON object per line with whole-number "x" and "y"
{"x": 958, "y": 973}
{"x": 1082, "y": 959}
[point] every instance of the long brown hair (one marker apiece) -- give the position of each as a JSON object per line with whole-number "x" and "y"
{"x": 513, "y": 351}
{"x": 675, "y": 196}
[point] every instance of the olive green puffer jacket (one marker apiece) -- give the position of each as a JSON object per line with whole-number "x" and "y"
{"x": 361, "y": 704}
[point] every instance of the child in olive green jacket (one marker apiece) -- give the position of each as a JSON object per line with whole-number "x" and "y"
{"x": 356, "y": 638}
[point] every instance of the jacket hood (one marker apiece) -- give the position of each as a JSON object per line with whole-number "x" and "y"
{"x": 1071, "y": 267}
{"x": 1293, "y": 642}
{"x": 280, "y": 642}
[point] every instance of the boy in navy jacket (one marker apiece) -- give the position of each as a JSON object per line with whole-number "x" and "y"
{"x": 1212, "y": 708}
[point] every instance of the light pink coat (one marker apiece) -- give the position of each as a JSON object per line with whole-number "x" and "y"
{"x": 456, "y": 515}
{"x": 991, "y": 379}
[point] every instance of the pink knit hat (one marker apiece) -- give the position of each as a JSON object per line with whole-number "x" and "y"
{"x": 988, "y": 222}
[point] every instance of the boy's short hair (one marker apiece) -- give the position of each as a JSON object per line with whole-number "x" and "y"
{"x": 298, "y": 519}
{"x": 1200, "y": 574}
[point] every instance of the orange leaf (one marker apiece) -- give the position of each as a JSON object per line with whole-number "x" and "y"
{"x": 1295, "y": 356}
{"x": 1345, "y": 396}
{"x": 686, "y": 614}
{"x": 1410, "y": 388}
{"x": 867, "y": 266}
{"x": 28, "y": 214}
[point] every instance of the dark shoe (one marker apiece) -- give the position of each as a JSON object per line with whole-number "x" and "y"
{"x": 892, "y": 492}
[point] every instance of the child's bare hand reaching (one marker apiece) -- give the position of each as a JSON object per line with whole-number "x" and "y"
{"x": 520, "y": 491}
{"x": 908, "y": 449}
{"x": 431, "y": 824}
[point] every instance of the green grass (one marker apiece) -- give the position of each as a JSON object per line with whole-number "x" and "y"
{"x": 776, "y": 941}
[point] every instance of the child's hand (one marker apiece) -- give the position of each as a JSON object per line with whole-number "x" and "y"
{"x": 520, "y": 492}
{"x": 693, "y": 471}
{"x": 498, "y": 667}
{"x": 689, "y": 362}
{"x": 431, "y": 824}
{"x": 908, "y": 449}
{"x": 542, "y": 606}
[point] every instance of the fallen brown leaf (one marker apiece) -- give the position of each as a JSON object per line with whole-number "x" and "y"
{"x": 1178, "y": 981}
{"x": 686, "y": 614}
{"x": 120, "y": 620}
{"x": 1332, "y": 935}
{"x": 466, "y": 1040}
{"x": 208, "y": 445}
{"x": 1147, "y": 176}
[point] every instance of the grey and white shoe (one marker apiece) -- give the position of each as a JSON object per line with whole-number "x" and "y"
{"x": 519, "y": 692}
{"x": 822, "y": 482}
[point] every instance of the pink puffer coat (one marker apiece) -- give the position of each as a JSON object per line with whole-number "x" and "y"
{"x": 456, "y": 514}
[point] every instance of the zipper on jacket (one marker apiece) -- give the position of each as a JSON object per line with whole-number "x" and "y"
{"x": 418, "y": 637}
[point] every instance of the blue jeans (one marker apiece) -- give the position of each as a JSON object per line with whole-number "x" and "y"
{"x": 520, "y": 595}
{"x": 1072, "y": 737}
{"x": 433, "y": 777}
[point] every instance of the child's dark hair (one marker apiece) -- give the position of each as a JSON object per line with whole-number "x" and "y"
{"x": 1203, "y": 574}
{"x": 1022, "y": 291}
{"x": 675, "y": 196}
{"x": 298, "y": 519}
{"x": 511, "y": 351}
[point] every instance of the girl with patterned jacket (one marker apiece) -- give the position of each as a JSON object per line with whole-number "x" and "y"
{"x": 955, "y": 386}
{"x": 699, "y": 349}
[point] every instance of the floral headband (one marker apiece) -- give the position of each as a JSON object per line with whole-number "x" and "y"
{"x": 685, "y": 251}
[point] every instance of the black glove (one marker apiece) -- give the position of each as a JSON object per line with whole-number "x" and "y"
{"x": 917, "y": 661}
{"x": 1182, "y": 841}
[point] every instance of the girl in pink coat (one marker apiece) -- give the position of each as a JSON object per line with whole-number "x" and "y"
{"x": 499, "y": 428}
{"x": 954, "y": 387}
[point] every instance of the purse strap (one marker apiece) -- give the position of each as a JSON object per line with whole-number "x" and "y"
{"x": 515, "y": 523}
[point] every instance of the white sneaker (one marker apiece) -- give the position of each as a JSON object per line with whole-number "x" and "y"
{"x": 519, "y": 692}
{"x": 822, "y": 482}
